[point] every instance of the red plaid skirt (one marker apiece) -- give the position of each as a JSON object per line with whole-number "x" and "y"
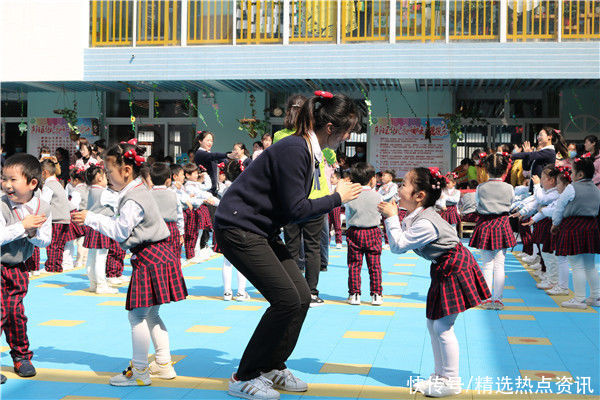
{"x": 492, "y": 232}
{"x": 75, "y": 231}
{"x": 542, "y": 235}
{"x": 578, "y": 235}
{"x": 33, "y": 262}
{"x": 526, "y": 237}
{"x": 156, "y": 277}
{"x": 204, "y": 221}
{"x": 190, "y": 221}
{"x": 451, "y": 215}
{"x": 95, "y": 240}
{"x": 174, "y": 240}
{"x": 470, "y": 217}
{"x": 457, "y": 284}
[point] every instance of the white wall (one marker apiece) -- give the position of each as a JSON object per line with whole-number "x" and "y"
{"x": 43, "y": 40}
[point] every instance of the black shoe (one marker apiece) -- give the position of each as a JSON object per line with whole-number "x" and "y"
{"x": 2, "y": 379}
{"x": 24, "y": 368}
{"x": 316, "y": 300}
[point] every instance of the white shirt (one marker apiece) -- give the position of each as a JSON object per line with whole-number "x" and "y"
{"x": 198, "y": 194}
{"x": 407, "y": 236}
{"x": 448, "y": 195}
{"x": 120, "y": 226}
{"x": 388, "y": 191}
{"x": 207, "y": 183}
{"x": 565, "y": 198}
{"x": 180, "y": 225}
{"x": 110, "y": 198}
{"x": 541, "y": 197}
{"x": 43, "y": 234}
{"x": 80, "y": 164}
{"x": 76, "y": 197}
{"x": 545, "y": 212}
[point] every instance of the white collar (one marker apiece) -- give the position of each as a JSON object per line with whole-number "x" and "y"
{"x": 409, "y": 218}
{"x": 52, "y": 178}
{"x": 367, "y": 188}
{"x": 32, "y": 204}
{"x": 316, "y": 147}
{"x": 79, "y": 184}
{"x": 159, "y": 187}
{"x": 550, "y": 146}
{"x": 200, "y": 148}
{"x": 134, "y": 183}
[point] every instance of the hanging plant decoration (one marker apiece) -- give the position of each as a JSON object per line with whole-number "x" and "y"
{"x": 454, "y": 124}
{"x": 192, "y": 106}
{"x": 23, "y": 124}
{"x": 70, "y": 115}
{"x": 216, "y": 108}
{"x": 101, "y": 123}
{"x": 23, "y": 127}
{"x": 131, "y": 116}
{"x": 253, "y": 126}
{"x": 156, "y": 103}
{"x": 368, "y": 104}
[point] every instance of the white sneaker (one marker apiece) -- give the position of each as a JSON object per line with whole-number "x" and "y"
{"x": 376, "y": 300}
{"x": 227, "y": 296}
{"x": 124, "y": 278}
{"x": 258, "y": 388}
{"x": 539, "y": 274}
{"x": 536, "y": 266}
{"x": 532, "y": 260}
{"x": 285, "y": 380}
{"x": 101, "y": 289}
{"x": 30, "y": 274}
{"x": 442, "y": 387}
{"x": 165, "y": 371}
{"x": 68, "y": 267}
{"x": 592, "y": 302}
{"x": 36, "y": 273}
{"x": 574, "y": 303}
{"x": 331, "y": 233}
{"x": 385, "y": 247}
{"x": 92, "y": 288}
{"x": 545, "y": 285}
{"x": 242, "y": 296}
{"x": 557, "y": 291}
{"x": 338, "y": 246}
{"x": 354, "y": 299}
{"x": 132, "y": 377}
{"x": 114, "y": 281}
{"x": 420, "y": 385}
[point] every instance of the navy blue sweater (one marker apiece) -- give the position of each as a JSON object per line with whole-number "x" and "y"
{"x": 273, "y": 191}
{"x": 536, "y": 161}
{"x": 210, "y": 161}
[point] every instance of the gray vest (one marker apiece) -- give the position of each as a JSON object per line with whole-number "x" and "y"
{"x": 586, "y": 202}
{"x": 495, "y": 197}
{"x": 152, "y": 228}
{"x": 467, "y": 203}
{"x": 93, "y": 201}
{"x": 167, "y": 204}
{"x": 83, "y": 191}
{"x": 447, "y": 237}
{"x": 362, "y": 211}
{"x": 59, "y": 205}
{"x": 19, "y": 250}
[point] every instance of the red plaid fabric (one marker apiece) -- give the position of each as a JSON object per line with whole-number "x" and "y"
{"x": 450, "y": 215}
{"x": 173, "y": 239}
{"x": 15, "y": 280}
{"x": 156, "y": 278}
{"x": 33, "y": 262}
{"x": 492, "y": 232}
{"x": 204, "y": 221}
{"x": 401, "y": 213}
{"x": 190, "y": 236}
{"x": 526, "y": 237}
{"x": 578, "y": 235}
{"x": 216, "y": 247}
{"x": 542, "y": 236}
{"x": 470, "y": 217}
{"x": 75, "y": 231}
{"x": 115, "y": 260}
{"x": 56, "y": 247}
{"x": 364, "y": 241}
{"x": 336, "y": 222}
{"x": 457, "y": 284}
{"x": 95, "y": 240}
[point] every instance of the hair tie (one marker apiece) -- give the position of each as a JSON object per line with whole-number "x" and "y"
{"x": 241, "y": 165}
{"x": 504, "y": 154}
{"x": 566, "y": 172}
{"x": 323, "y": 94}
{"x": 221, "y": 166}
{"x": 132, "y": 142}
{"x": 202, "y": 168}
{"x": 131, "y": 154}
{"x": 586, "y": 155}
{"x": 435, "y": 172}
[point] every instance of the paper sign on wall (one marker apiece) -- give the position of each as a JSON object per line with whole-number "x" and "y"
{"x": 54, "y": 132}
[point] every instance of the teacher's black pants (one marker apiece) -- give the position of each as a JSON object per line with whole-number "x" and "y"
{"x": 269, "y": 267}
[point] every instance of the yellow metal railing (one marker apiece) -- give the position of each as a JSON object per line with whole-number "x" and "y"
{"x": 209, "y": 21}
{"x": 313, "y": 20}
{"x": 158, "y": 22}
{"x": 365, "y": 21}
{"x": 581, "y": 19}
{"x": 259, "y": 21}
{"x": 420, "y": 20}
{"x": 474, "y": 20}
{"x": 112, "y": 23}
{"x": 531, "y": 19}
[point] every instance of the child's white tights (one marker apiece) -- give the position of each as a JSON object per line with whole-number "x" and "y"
{"x": 445, "y": 345}
{"x": 492, "y": 266}
{"x": 584, "y": 269}
{"x": 227, "y": 276}
{"x": 96, "y": 267}
{"x": 146, "y": 324}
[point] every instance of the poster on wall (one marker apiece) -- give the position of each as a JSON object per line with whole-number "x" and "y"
{"x": 400, "y": 145}
{"x": 54, "y": 133}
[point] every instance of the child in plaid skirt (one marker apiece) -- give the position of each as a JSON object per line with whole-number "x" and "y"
{"x": 78, "y": 201}
{"x": 25, "y": 223}
{"x": 156, "y": 279}
{"x": 363, "y": 235}
{"x": 457, "y": 283}
{"x": 448, "y": 200}
{"x": 492, "y": 233}
{"x": 577, "y": 235}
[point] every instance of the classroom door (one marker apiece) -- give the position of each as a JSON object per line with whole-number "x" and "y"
{"x": 151, "y": 137}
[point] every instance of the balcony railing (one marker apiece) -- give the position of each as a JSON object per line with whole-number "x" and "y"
{"x": 198, "y": 22}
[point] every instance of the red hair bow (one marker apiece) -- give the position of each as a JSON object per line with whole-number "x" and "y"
{"x": 483, "y": 154}
{"x": 221, "y": 166}
{"x": 202, "y": 168}
{"x": 324, "y": 94}
{"x": 452, "y": 175}
{"x": 241, "y": 165}
{"x": 566, "y": 171}
{"x": 435, "y": 172}
{"x": 132, "y": 142}
{"x": 586, "y": 155}
{"x": 131, "y": 154}
{"x": 505, "y": 154}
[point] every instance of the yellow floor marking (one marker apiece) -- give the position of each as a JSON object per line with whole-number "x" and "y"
{"x": 529, "y": 340}
{"x": 393, "y": 296}
{"x": 335, "y": 256}
{"x": 47, "y": 274}
{"x": 535, "y": 375}
{"x": 513, "y": 300}
{"x": 404, "y": 265}
{"x": 174, "y": 358}
{"x": 400, "y": 273}
{"x": 4, "y": 348}
{"x": 408, "y": 258}
{"x": 52, "y": 285}
{"x": 76, "y": 397}
{"x": 112, "y": 303}
{"x": 394, "y": 283}
{"x": 194, "y": 277}
{"x": 244, "y": 308}
{"x": 208, "y": 329}
{"x": 86, "y": 293}
{"x": 517, "y": 317}
{"x": 363, "y": 335}
{"x": 375, "y": 312}
{"x": 214, "y": 268}
{"x": 62, "y": 322}
{"x": 332, "y": 368}
{"x": 548, "y": 309}
{"x": 509, "y": 287}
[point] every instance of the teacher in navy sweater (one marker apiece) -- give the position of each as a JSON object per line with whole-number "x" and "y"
{"x": 272, "y": 192}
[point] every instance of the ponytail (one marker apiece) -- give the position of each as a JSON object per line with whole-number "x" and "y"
{"x": 558, "y": 141}
{"x": 325, "y": 108}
